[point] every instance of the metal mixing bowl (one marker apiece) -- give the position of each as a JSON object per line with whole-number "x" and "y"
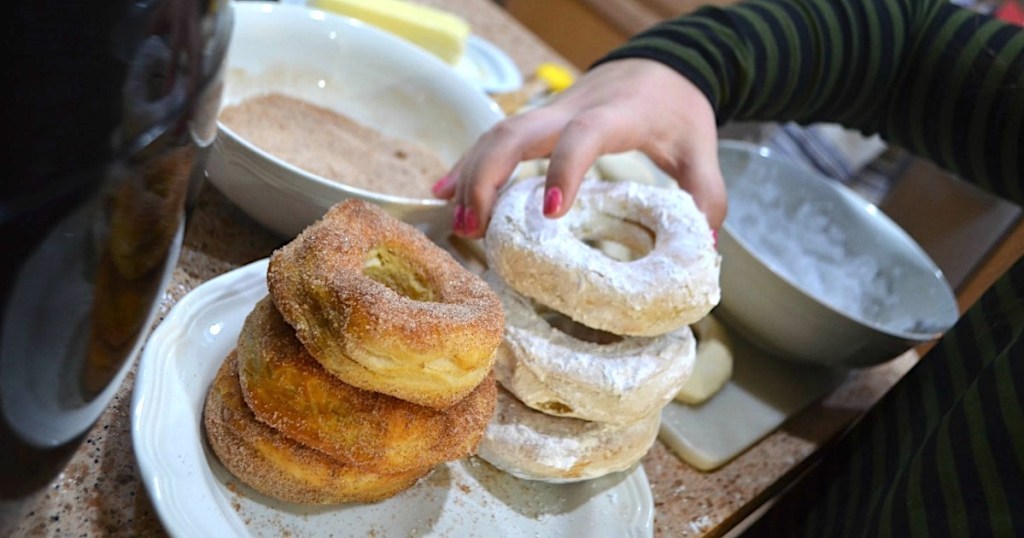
{"x": 857, "y": 291}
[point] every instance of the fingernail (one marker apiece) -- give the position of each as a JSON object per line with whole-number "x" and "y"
{"x": 714, "y": 236}
{"x": 552, "y": 201}
{"x": 459, "y": 221}
{"x": 469, "y": 220}
{"x": 442, "y": 184}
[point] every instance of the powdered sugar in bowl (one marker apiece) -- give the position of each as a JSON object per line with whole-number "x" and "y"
{"x": 813, "y": 272}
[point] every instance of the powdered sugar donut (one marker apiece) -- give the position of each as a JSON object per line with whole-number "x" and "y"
{"x": 532, "y": 445}
{"x": 619, "y": 381}
{"x": 548, "y": 260}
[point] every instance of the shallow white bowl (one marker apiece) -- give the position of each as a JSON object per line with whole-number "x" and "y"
{"x": 367, "y": 74}
{"x": 780, "y": 314}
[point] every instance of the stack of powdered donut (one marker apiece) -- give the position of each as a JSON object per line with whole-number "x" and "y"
{"x": 595, "y": 345}
{"x": 367, "y": 365}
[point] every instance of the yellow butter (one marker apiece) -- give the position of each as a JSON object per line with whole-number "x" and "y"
{"x": 713, "y": 366}
{"x": 442, "y": 33}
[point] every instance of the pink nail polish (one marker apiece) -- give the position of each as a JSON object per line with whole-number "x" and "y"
{"x": 469, "y": 221}
{"x": 714, "y": 237}
{"x": 442, "y": 183}
{"x": 459, "y": 221}
{"x": 552, "y": 201}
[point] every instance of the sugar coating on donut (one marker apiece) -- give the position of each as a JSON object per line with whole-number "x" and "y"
{"x": 532, "y": 445}
{"x": 673, "y": 285}
{"x": 385, "y": 309}
{"x": 559, "y": 374}
{"x": 290, "y": 391}
{"x": 275, "y": 465}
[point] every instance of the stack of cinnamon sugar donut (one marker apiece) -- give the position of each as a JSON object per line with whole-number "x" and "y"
{"x": 367, "y": 365}
{"x": 595, "y": 344}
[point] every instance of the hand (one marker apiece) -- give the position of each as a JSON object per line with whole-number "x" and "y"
{"x": 631, "y": 104}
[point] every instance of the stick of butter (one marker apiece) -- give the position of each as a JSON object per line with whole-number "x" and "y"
{"x": 442, "y": 33}
{"x": 713, "y": 367}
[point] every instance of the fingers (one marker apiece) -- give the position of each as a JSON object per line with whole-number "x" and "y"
{"x": 708, "y": 189}
{"x": 445, "y": 187}
{"x": 581, "y": 143}
{"x": 618, "y": 106}
{"x": 697, "y": 172}
{"x": 489, "y": 164}
{"x": 688, "y": 150}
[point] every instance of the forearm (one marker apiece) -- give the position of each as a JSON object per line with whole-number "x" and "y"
{"x": 942, "y": 82}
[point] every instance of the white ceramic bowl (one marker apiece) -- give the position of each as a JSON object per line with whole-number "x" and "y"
{"x": 884, "y": 297}
{"x": 367, "y": 74}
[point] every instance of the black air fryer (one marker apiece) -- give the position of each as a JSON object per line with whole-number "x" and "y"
{"x": 110, "y": 108}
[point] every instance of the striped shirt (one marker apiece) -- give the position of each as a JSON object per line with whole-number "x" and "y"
{"x": 943, "y": 452}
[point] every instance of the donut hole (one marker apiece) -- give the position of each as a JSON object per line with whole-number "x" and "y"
{"x": 395, "y": 271}
{"x": 620, "y": 239}
{"x": 565, "y": 324}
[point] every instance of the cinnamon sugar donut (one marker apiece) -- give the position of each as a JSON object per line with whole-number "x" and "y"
{"x": 532, "y": 445}
{"x": 385, "y": 309}
{"x": 619, "y": 381}
{"x": 279, "y": 467}
{"x": 288, "y": 390}
{"x": 548, "y": 260}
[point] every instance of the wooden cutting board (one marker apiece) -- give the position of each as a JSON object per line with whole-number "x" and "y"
{"x": 762, "y": 393}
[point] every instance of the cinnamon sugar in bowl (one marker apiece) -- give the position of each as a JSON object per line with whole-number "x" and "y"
{"x": 318, "y": 108}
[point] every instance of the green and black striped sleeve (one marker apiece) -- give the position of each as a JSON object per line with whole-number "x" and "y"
{"x": 941, "y": 81}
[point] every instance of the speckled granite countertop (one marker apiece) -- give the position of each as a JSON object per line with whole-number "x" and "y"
{"x": 100, "y": 493}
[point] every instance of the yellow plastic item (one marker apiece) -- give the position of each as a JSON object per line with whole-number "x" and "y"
{"x": 442, "y": 33}
{"x": 555, "y": 76}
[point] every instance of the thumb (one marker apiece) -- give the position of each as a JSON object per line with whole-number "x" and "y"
{"x": 707, "y": 186}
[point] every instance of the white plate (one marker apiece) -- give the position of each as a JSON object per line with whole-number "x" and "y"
{"x": 195, "y": 496}
{"x": 488, "y": 66}
{"x": 483, "y": 62}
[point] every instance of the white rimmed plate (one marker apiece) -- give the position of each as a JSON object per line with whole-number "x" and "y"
{"x": 488, "y": 66}
{"x": 195, "y": 496}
